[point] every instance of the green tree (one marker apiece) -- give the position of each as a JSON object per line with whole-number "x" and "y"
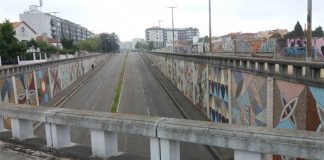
{"x": 9, "y": 45}
{"x": 276, "y": 35}
{"x": 299, "y": 32}
{"x": 318, "y": 32}
{"x": 109, "y": 42}
{"x": 204, "y": 39}
{"x": 67, "y": 44}
{"x": 91, "y": 45}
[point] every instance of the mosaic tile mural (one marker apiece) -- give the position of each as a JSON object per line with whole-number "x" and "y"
{"x": 26, "y": 90}
{"x": 43, "y": 86}
{"x": 7, "y": 94}
{"x": 55, "y": 81}
{"x": 315, "y": 109}
{"x": 64, "y": 74}
{"x": 249, "y": 99}
{"x": 218, "y": 95}
{"x": 290, "y": 106}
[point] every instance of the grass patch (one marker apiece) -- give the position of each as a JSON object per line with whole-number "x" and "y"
{"x": 118, "y": 89}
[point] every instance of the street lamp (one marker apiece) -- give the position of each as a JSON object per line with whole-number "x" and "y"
{"x": 309, "y": 31}
{"x": 210, "y": 30}
{"x": 172, "y": 7}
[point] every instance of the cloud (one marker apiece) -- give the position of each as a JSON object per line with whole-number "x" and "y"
{"x": 130, "y": 18}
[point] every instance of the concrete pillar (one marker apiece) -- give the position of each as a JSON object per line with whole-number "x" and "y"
{"x": 36, "y": 90}
{"x": 34, "y": 56}
{"x": 170, "y": 150}
{"x": 22, "y": 129}
{"x": 57, "y": 136}
{"x": 104, "y": 144}
{"x": 229, "y": 96}
{"x": 155, "y": 149}
{"x": 14, "y": 87}
{"x": 245, "y": 155}
{"x": 270, "y": 93}
{"x": 2, "y": 129}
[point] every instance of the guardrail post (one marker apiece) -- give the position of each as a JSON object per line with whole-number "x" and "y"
{"x": 155, "y": 149}
{"x": 103, "y": 144}
{"x": 244, "y": 155}
{"x": 170, "y": 150}
{"x": 22, "y": 129}
{"x": 57, "y": 136}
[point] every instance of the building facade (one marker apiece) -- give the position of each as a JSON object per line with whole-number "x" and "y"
{"x": 23, "y": 31}
{"x": 161, "y": 36}
{"x": 54, "y": 27}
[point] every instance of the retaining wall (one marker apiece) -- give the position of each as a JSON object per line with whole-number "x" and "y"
{"x": 38, "y": 86}
{"x": 234, "y": 96}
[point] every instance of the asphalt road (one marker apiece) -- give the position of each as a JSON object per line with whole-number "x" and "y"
{"x": 142, "y": 94}
{"x": 96, "y": 95}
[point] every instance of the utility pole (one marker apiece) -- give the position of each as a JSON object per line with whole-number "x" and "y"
{"x": 210, "y": 30}
{"x": 309, "y": 31}
{"x": 159, "y": 21}
{"x": 172, "y": 7}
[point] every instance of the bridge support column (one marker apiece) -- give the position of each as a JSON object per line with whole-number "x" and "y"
{"x": 2, "y": 129}
{"x": 155, "y": 149}
{"x": 244, "y": 155}
{"x": 170, "y": 150}
{"x": 22, "y": 129}
{"x": 57, "y": 136}
{"x": 104, "y": 144}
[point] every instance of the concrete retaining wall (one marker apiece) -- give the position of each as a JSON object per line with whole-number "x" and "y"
{"x": 234, "y": 96}
{"x": 37, "y": 87}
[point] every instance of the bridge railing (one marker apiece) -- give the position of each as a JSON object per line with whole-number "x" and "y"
{"x": 18, "y": 69}
{"x": 311, "y": 73}
{"x": 165, "y": 133}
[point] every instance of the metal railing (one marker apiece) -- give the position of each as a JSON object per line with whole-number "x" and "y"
{"x": 164, "y": 133}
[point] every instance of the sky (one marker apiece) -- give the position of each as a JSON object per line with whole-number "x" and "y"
{"x": 130, "y": 18}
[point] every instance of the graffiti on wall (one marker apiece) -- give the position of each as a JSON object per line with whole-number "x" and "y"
{"x": 249, "y": 99}
{"x": 218, "y": 95}
{"x": 315, "y": 109}
{"x": 43, "y": 86}
{"x": 26, "y": 90}
{"x": 297, "y": 47}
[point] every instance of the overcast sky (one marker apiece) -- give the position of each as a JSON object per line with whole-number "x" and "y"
{"x": 130, "y": 18}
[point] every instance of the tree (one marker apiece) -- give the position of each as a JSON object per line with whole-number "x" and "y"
{"x": 91, "y": 45}
{"x": 67, "y": 44}
{"x": 276, "y": 35}
{"x": 109, "y": 42}
{"x": 9, "y": 45}
{"x": 299, "y": 32}
{"x": 318, "y": 32}
{"x": 204, "y": 39}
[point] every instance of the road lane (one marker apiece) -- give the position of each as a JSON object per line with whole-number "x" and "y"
{"x": 96, "y": 95}
{"x": 142, "y": 94}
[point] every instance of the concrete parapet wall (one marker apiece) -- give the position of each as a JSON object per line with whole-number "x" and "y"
{"x": 168, "y": 132}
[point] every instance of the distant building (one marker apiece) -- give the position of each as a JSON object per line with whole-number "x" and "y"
{"x": 268, "y": 34}
{"x": 161, "y": 36}
{"x": 125, "y": 46}
{"x": 24, "y": 32}
{"x": 54, "y": 27}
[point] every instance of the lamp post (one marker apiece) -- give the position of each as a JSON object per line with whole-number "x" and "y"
{"x": 210, "y": 30}
{"x": 172, "y": 7}
{"x": 309, "y": 31}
